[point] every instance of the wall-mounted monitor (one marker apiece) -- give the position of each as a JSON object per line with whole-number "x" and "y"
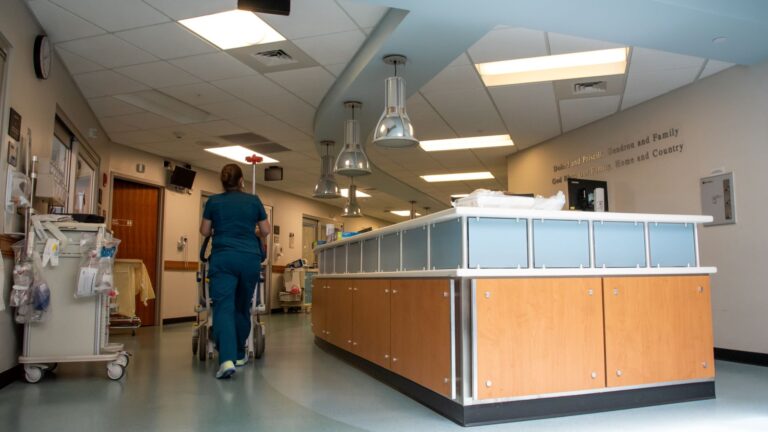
{"x": 581, "y": 194}
{"x": 182, "y": 177}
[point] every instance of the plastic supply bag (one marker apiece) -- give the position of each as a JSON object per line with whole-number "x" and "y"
{"x": 89, "y": 267}
{"x": 484, "y": 198}
{"x": 40, "y": 294}
{"x": 104, "y": 275}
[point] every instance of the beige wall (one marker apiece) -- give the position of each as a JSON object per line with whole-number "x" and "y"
{"x": 722, "y": 124}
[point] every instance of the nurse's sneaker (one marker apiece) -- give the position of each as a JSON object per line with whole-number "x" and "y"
{"x": 226, "y": 370}
{"x": 242, "y": 362}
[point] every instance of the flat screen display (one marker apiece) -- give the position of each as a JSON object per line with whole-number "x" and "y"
{"x": 182, "y": 177}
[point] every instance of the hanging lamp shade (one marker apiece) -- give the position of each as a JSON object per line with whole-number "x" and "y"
{"x": 394, "y": 128}
{"x": 327, "y": 187}
{"x": 352, "y": 161}
{"x": 352, "y": 209}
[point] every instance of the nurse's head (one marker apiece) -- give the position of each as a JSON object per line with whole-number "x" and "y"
{"x": 232, "y": 178}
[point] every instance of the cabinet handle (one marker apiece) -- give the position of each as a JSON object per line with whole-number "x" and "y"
{"x": 394, "y": 291}
{"x": 386, "y": 291}
{"x": 394, "y": 359}
{"x": 349, "y": 341}
{"x": 354, "y": 343}
{"x": 386, "y": 356}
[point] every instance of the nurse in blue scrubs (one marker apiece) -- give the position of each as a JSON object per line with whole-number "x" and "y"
{"x": 239, "y": 225}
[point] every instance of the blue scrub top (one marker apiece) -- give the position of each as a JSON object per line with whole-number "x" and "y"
{"x": 234, "y": 216}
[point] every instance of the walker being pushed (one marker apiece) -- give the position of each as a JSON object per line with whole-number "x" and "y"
{"x": 202, "y": 337}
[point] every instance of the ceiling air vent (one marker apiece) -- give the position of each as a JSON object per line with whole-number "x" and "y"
{"x": 590, "y": 87}
{"x": 275, "y": 57}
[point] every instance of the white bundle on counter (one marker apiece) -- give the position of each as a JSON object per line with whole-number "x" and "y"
{"x": 496, "y": 199}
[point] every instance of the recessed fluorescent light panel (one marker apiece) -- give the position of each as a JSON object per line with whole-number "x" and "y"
{"x": 457, "y": 196}
{"x": 555, "y": 67}
{"x": 483, "y": 175}
{"x": 233, "y": 29}
{"x": 403, "y": 213}
{"x": 238, "y": 154}
{"x": 358, "y": 193}
{"x": 467, "y": 143}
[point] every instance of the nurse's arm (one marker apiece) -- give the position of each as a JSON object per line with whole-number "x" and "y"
{"x": 265, "y": 229}
{"x": 205, "y": 227}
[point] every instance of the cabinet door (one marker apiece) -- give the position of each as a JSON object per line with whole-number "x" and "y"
{"x": 339, "y": 319}
{"x": 537, "y": 336}
{"x": 319, "y": 307}
{"x": 657, "y": 329}
{"x": 371, "y": 320}
{"x": 421, "y": 332}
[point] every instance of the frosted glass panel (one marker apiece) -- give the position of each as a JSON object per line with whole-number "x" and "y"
{"x": 445, "y": 244}
{"x": 371, "y": 255}
{"x": 498, "y": 243}
{"x": 415, "y": 249}
{"x": 390, "y": 252}
{"x": 619, "y": 244}
{"x": 560, "y": 244}
{"x": 672, "y": 245}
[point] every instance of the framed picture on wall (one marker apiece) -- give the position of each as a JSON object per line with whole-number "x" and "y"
{"x": 13, "y": 153}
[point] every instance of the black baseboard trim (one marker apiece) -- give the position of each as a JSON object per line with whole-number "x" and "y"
{"x": 15, "y": 373}
{"x": 179, "y": 320}
{"x": 753, "y": 358}
{"x": 476, "y": 415}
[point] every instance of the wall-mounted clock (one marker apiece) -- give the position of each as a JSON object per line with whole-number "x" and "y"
{"x": 42, "y": 57}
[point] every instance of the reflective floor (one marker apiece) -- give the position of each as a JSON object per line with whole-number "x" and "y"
{"x": 298, "y": 387}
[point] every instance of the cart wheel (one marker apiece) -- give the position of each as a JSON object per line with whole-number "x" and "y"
{"x": 123, "y": 359}
{"x": 202, "y": 343}
{"x": 52, "y": 367}
{"x": 195, "y": 343}
{"x": 33, "y": 374}
{"x": 115, "y": 370}
{"x": 258, "y": 340}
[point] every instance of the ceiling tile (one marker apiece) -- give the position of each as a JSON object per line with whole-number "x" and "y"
{"x": 562, "y": 44}
{"x": 76, "y": 64}
{"x": 713, "y": 66}
{"x": 167, "y": 41}
{"x": 157, "y": 74}
{"x": 234, "y": 108}
{"x": 251, "y": 88}
{"x": 507, "y": 44}
{"x": 106, "y": 83}
{"x": 310, "y": 84}
{"x": 135, "y": 137}
{"x": 468, "y": 112}
{"x": 578, "y": 112}
{"x": 289, "y": 109}
{"x": 197, "y": 94}
{"x": 271, "y": 128}
{"x": 114, "y": 15}
{"x": 108, "y": 51}
{"x": 182, "y": 9}
{"x": 213, "y": 67}
{"x": 218, "y": 128}
{"x": 453, "y": 78}
{"x": 61, "y": 25}
{"x": 310, "y": 18}
{"x": 178, "y": 133}
{"x": 529, "y": 111}
{"x": 112, "y": 124}
{"x": 332, "y": 49}
{"x": 336, "y": 69}
{"x": 365, "y": 15}
{"x": 146, "y": 121}
{"x": 109, "y": 106}
{"x": 653, "y": 73}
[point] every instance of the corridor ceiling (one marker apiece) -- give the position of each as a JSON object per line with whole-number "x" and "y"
{"x": 115, "y": 48}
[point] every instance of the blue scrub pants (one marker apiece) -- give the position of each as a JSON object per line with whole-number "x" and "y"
{"x": 233, "y": 277}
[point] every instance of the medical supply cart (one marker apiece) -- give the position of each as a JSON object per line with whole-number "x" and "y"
{"x": 76, "y": 329}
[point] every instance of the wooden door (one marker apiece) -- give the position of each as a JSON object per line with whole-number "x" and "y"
{"x": 136, "y": 221}
{"x": 339, "y": 319}
{"x": 319, "y": 307}
{"x": 371, "y": 320}
{"x": 421, "y": 332}
{"x": 657, "y": 329}
{"x": 537, "y": 336}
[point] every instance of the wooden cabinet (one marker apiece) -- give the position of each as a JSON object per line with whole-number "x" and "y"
{"x": 371, "y": 320}
{"x": 658, "y": 329}
{"x": 339, "y": 313}
{"x": 421, "y": 332}
{"x": 537, "y": 336}
{"x": 319, "y": 307}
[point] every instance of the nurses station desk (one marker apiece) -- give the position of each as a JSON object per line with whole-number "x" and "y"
{"x": 492, "y": 315}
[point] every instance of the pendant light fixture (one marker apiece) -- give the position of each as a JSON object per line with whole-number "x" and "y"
{"x": 413, "y": 209}
{"x": 352, "y": 160}
{"x": 352, "y": 209}
{"x": 327, "y": 187}
{"x": 394, "y": 128}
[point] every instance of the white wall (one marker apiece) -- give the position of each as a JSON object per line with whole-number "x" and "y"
{"x": 722, "y": 122}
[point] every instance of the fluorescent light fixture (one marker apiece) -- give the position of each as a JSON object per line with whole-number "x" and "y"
{"x": 403, "y": 213}
{"x": 233, "y": 29}
{"x": 555, "y": 67}
{"x": 457, "y": 196}
{"x": 483, "y": 175}
{"x": 467, "y": 143}
{"x": 238, "y": 154}
{"x": 166, "y": 106}
{"x": 358, "y": 193}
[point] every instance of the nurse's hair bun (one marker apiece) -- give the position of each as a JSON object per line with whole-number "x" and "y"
{"x": 231, "y": 176}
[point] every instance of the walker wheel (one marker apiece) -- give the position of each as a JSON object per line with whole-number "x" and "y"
{"x": 258, "y": 340}
{"x": 123, "y": 359}
{"x": 202, "y": 347}
{"x": 115, "y": 370}
{"x": 33, "y": 374}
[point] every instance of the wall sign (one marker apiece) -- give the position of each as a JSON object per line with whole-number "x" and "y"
{"x": 14, "y": 125}
{"x": 717, "y": 199}
{"x": 13, "y": 153}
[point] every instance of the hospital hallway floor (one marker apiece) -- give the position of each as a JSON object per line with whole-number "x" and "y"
{"x": 297, "y": 386}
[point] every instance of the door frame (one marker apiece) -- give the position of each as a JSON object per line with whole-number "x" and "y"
{"x": 161, "y": 219}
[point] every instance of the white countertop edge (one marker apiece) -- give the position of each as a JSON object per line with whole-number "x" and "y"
{"x": 490, "y": 273}
{"x": 521, "y": 214}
